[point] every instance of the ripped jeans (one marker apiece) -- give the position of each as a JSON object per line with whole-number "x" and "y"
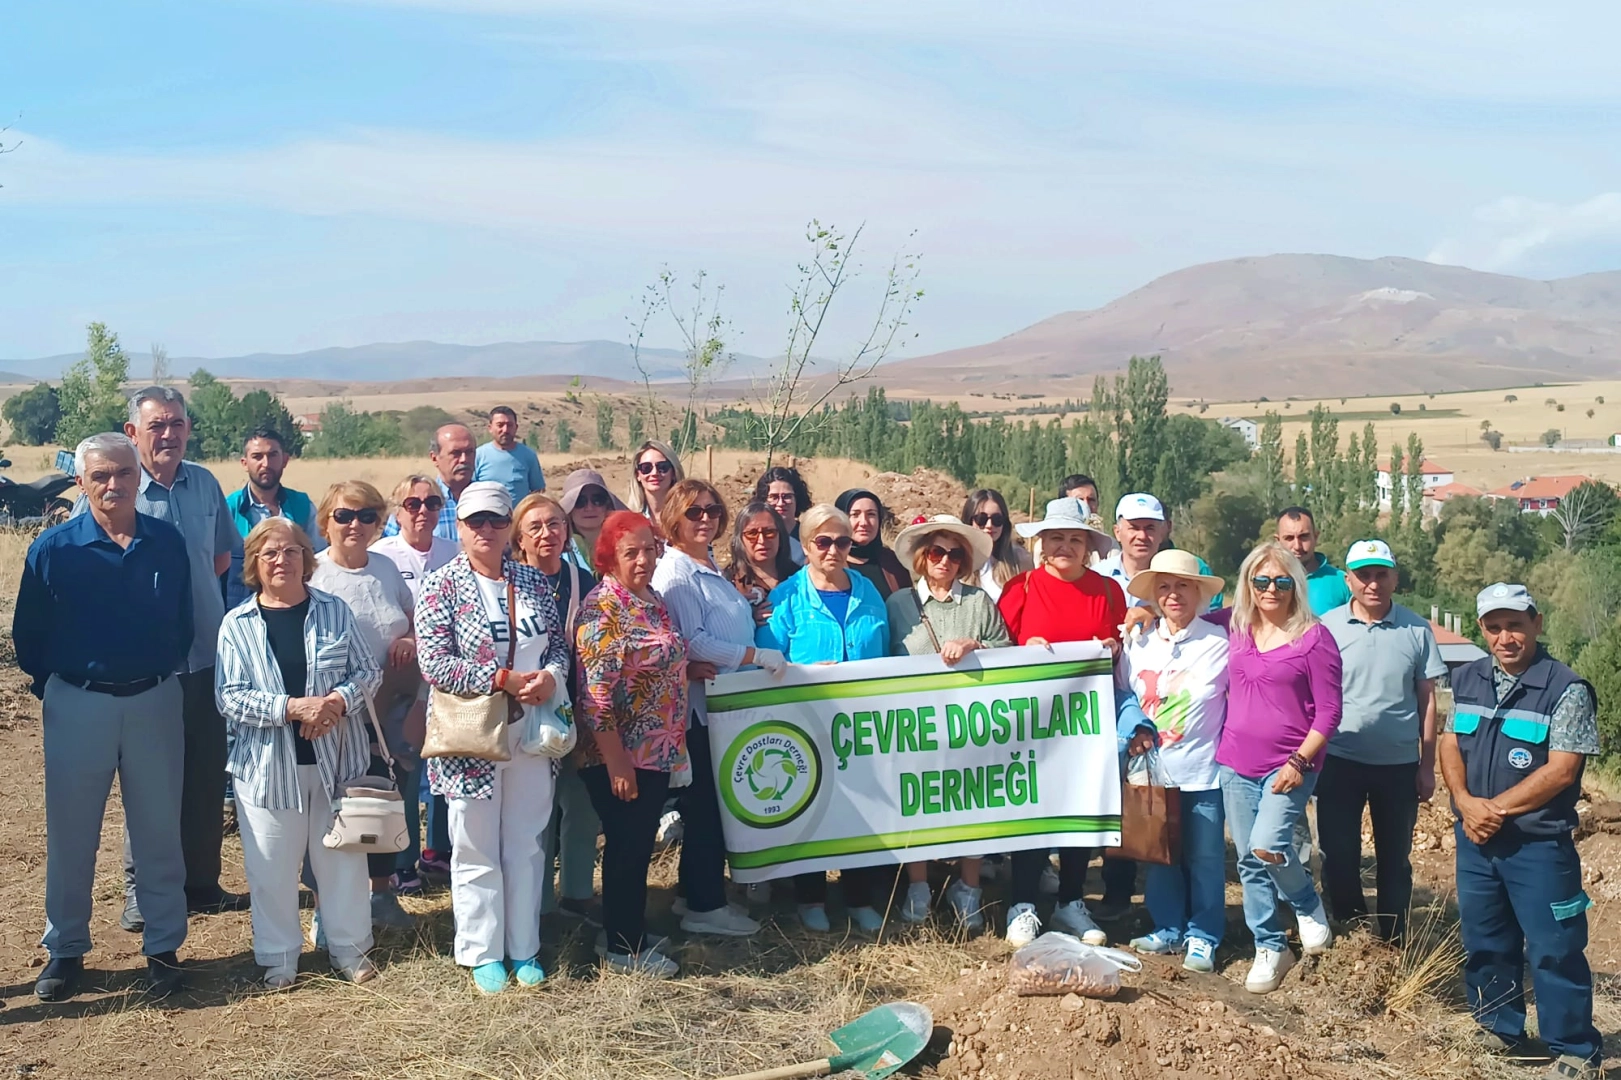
{"x": 1260, "y": 820}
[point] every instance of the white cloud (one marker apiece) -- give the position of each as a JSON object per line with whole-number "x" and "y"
{"x": 1511, "y": 232}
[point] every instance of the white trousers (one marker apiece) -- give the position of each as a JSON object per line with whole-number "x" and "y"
{"x": 496, "y": 867}
{"x": 274, "y": 843}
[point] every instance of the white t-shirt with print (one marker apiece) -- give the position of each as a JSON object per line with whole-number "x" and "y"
{"x": 531, "y": 625}
{"x": 1181, "y": 682}
{"x": 415, "y": 565}
{"x": 377, "y": 595}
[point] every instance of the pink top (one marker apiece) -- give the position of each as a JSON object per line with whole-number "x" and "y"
{"x": 1275, "y": 698}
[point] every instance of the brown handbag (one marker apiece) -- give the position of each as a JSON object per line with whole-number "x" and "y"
{"x": 1150, "y": 821}
{"x": 475, "y": 725}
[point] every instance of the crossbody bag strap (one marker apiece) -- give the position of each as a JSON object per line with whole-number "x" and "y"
{"x": 927, "y": 625}
{"x": 512, "y": 621}
{"x": 573, "y": 601}
{"x": 377, "y": 730}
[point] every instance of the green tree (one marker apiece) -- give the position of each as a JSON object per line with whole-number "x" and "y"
{"x": 1270, "y": 454}
{"x": 605, "y": 424}
{"x": 347, "y": 433}
{"x": 216, "y": 419}
{"x": 1551, "y": 436}
{"x": 1415, "y": 481}
{"x": 33, "y": 415}
{"x": 1600, "y": 664}
{"x": 565, "y": 435}
{"x": 1584, "y": 514}
{"x": 1398, "y": 486}
{"x": 92, "y": 392}
{"x": 634, "y": 433}
{"x": 419, "y": 424}
{"x": 1146, "y": 392}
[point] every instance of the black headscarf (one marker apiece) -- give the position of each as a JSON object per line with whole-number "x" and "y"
{"x": 872, "y": 551}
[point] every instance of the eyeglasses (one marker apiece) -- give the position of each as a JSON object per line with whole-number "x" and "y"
{"x": 433, "y": 502}
{"x": 777, "y": 498}
{"x": 1282, "y": 583}
{"x": 756, "y": 535}
{"x": 996, "y": 521}
{"x": 824, "y": 542}
{"x": 648, "y": 468}
{"x": 486, "y": 520}
{"x": 276, "y": 555}
{"x": 936, "y": 553}
{"x": 595, "y": 498}
{"x": 546, "y": 525}
{"x": 343, "y": 515}
{"x": 709, "y": 510}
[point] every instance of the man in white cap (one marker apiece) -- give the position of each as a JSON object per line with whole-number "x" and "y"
{"x": 1522, "y": 729}
{"x": 1383, "y": 755}
{"x": 1142, "y": 526}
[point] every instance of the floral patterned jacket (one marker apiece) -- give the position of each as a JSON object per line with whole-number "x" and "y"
{"x": 633, "y": 679}
{"x": 457, "y": 654}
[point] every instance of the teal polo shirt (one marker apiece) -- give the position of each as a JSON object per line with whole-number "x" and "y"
{"x": 1325, "y": 588}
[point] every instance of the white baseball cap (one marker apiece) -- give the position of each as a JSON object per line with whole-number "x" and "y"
{"x": 1369, "y": 553}
{"x": 1503, "y": 597}
{"x": 484, "y": 497}
{"x": 1139, "y": 505}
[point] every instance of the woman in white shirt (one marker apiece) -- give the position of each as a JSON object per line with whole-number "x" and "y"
{"x": 1178, "y": 669}
{"x": 351, "y": 517}
{"x": 718, "y": 625}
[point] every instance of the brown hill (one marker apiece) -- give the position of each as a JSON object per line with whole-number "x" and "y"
{"x": 1307, "y": 324}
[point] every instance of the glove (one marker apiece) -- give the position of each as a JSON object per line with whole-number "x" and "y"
{"x": 770, "y": 660}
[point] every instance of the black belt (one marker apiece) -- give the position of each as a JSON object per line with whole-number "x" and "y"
{"x": 114, "y": 689}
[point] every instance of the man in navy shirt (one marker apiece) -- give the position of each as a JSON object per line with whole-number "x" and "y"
{"x": 102, "y": 623}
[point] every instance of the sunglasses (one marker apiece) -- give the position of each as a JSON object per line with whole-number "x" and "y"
{"x": 648, "y": 468}
{"x": 997, "y": 521}
{"x": 345, "y": 516}
{"x": 595, "y": 498}
{"x": 824, "y": 543}
{"x": 936, "y": 553}
{"x": 712, "y": 511}
{"x": 1282, "y": 583}
{"x": 486, "y": 520}
{"x": 754, "y": 535}
{"x": 433, "y": 502}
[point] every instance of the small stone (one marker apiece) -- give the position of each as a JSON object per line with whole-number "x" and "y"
{"x": 1072, "y": 1003}
{"x": 1266, "y": 1030}
{"x": 972, "y": 1027}
{"x": 971, "y": 1062}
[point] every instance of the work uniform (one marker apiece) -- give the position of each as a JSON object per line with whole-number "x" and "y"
{"x": 1520, "y": 895}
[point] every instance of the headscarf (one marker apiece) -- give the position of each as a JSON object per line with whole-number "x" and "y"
{"x": 870, "y": 552}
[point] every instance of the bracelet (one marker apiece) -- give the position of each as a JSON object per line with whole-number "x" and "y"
{"x": 1301, "y": 764}
{"x": 501, "y": 678}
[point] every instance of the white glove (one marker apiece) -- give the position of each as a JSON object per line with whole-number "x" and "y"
{"x": 770, "y": 660}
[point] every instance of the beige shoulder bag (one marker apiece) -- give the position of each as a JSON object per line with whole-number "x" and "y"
{"x": 475, "y": 725}
{"x": 370, "y": 814}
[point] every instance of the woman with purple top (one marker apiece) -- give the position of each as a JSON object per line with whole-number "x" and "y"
{"x": 1283, "y": 705}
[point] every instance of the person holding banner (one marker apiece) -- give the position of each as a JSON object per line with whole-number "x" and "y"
{"x": 1178, "y": 669}
{"x": 824, "y": 615}
{"x": 986, "y": 510}
{"x": 1063, "y": 600}
{"x": 718, "y": 625}
{"x": 947, "y": 615}
{"x": 868, "y": 555}
{"x": 633, "y": 712}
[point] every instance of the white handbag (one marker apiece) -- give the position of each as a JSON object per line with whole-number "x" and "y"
{"x": 370, "y": 815}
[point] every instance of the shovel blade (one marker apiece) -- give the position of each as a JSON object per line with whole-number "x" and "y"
{"x": 881, "y": 1040}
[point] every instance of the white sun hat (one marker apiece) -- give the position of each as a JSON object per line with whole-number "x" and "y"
{"x": 906, "y": 544}
{"x": 1061, "y": 514}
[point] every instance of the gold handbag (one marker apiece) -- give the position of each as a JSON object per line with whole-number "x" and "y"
{"x": 474, "y": 725}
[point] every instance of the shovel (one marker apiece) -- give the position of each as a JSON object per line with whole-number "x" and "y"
{"x": 874, "y": 1045}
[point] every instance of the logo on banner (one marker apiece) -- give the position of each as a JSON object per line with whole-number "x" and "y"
{"x": 770, "y": 774}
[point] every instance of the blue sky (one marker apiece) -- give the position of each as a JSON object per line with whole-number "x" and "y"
{"x": 242, "y": 175}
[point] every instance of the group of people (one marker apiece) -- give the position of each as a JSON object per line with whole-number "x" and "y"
{"x": 312, "y": 667}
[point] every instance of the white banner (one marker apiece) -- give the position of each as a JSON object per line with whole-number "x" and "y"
{"x": 903, "y": 759}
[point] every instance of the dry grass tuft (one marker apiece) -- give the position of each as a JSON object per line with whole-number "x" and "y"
{"x": 1431, "y": 958}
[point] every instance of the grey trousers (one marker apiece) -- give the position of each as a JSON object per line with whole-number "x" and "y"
{"x": 88, "y": 739}
{"x": 570, "y": 839}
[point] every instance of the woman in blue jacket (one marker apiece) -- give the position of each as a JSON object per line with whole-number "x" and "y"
{"x": 823, "y": 615}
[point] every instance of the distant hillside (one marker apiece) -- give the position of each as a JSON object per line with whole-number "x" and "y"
{"x": 1307, "y": 325}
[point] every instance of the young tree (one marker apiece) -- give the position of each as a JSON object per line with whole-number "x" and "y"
{"x": 1398, "y": 494}
{"x": 605, "y": 424}
{"x": 92, "y": 391}
{"x": 160, "y": 365}
{"x": 1415, "y": 481}
{"x": 565, "y": 435}
{"x": 1269, "y": 452}
{"x": 33, "y": 415}
{"x": 1584, "y": 513}
{"x": 634, "y": 432}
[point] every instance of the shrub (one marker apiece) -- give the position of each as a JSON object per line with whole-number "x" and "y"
{"x": 1551, "y": 436}
{"x": 1395, "y": 408}
{"x": 1493, "y": 439}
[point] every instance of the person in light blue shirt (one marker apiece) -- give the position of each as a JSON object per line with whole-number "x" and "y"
{"x": 1325, "y": 586}
{"x": 506, "y": 460}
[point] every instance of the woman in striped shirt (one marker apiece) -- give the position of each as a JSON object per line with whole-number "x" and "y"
{"x": 293, "y": 677}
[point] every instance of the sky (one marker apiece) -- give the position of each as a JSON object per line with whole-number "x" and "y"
{"x": 235, "y": 176}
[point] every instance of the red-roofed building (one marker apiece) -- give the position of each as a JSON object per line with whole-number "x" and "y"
{"x": 1434, "y": 476}
{"x": 1538, "y": 494}
{"x": 1437, "y": 497}
{"x": 1456, "y": 649}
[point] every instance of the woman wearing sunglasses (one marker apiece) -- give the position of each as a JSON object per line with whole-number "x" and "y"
{"x": 760, "y": 559}
{"x": 868, "y": 555}
{"x": 587, "y": 503}
{"x": 351, "y": 518}
{"x": 948, "y": 615}
{"x": 654, "y": 474}
{"x": 718, "y": 625}
{"x": 474, "y": 610}
{"x": 784, "y": 490}
{"x": 986, "y": 510}
{"x": 823, "y": 615}
{"x": 1283, "y": 705}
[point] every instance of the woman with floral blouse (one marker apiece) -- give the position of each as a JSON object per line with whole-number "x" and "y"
{"x": 633, "y": 708}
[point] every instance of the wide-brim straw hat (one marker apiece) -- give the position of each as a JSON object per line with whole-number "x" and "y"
{"x": 1177, "y": 564}
{"x": 912, "y": 537}
{"x": 578, "y": 481}
{"x": 1062, "y": 514}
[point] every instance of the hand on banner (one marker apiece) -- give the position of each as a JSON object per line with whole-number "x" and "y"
{"x": 953, "y": 651}
{"x": 1040, "y": 643}
{"x": 1112, "y": 644}
{"x": 771, "y": 661}
{"x": 701, "y": 671}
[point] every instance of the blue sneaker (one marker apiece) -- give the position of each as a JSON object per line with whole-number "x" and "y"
{"x": 490, "y": 978}
{"x": 529, "y": 972}
{"x": 813, "y": 917}
{"x": 1201, "y": 956}
{"x": 1158, "y": 943}
{"x": 867, "y": 919}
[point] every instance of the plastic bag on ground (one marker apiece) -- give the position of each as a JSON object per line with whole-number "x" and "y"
{"x": 1057, "y": 963}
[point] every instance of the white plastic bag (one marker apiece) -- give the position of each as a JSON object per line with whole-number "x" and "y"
{"x": 1058, "y": 963}
{"x": 549, "y": 730}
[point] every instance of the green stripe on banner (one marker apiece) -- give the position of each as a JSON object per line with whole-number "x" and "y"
{"x": 908, "y": 684}
{"x": 946, "y": 834}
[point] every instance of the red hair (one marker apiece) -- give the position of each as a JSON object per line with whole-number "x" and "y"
{"x": 620, "y": 524}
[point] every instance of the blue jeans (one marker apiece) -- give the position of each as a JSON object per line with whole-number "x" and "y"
{"x": 1262, "y": 821}
{"x": 1189, "y": 899}
{"x": 1507, "y": 889}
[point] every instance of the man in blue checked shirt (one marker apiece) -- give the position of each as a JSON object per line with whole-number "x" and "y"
{"x": 453, "y": 453}
{"x": 102, "y": 623}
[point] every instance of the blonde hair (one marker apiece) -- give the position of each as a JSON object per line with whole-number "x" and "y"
{"x": 255, "y": 542}
{"x": 358, "y": 491}
{"x": 402, "y": 490}
{"x": 920, "y": 556}
{"x": 812, "y": 520}
{"x": 1245, "y": 616}
{"x": 636, "y": 497}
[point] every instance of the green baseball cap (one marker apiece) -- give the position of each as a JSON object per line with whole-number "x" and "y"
{"x": 1369, "y": 553}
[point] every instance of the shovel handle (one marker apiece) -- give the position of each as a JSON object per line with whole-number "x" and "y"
{"x": 788, "y": 1072}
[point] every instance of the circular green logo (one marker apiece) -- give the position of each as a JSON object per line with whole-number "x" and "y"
{"x": 770, "y": 774}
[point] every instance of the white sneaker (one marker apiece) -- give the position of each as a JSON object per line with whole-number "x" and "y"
{"x": 915, "y": 908}
{"x": 670, "y": 829}
{"x": 649, "y": 962}
{"x": 1073, "y": 918}
{"x": 726, "y": 921}
{"x": 679, "y": 908}
{"x": 1023, "y": 926}
{"x": 1315, "y": 933}
{"x": 966, "y": 905}
{"x": 1049, "y": 879}
{"x": 1267, "y": 972}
